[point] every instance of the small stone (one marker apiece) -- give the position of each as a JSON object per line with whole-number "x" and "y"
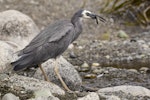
{"x": 90, "y": 76}
{"x": 85, "y": 65}
{"x": 100, "y": 75}
{"x": 144, "y": 69}
{"x": 72, "y": 55}
{"x": 80, "y": 47}
{"x": 83, "y": 69}
{"x": 122, "y": 34}
{"x": 145, "y": 46}
{"x": 106, "y": 72}
{"x": 107, "y": 56}
{"x": 133, "y": 70}
{"x": 97, "y": 71}
{"x": 95, "y": 64}
{"x": 71, "y": 46}
{"x": 10, "y": 96}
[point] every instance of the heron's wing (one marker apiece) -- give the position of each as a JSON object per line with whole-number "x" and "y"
{"x": 51, "y": 33}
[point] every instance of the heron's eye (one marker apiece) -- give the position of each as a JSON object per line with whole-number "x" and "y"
{"x": 88, "y": 14}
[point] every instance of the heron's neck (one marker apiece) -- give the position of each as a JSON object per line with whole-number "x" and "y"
{"x": 77, "y": 22}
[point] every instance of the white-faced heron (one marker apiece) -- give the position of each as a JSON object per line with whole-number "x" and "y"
{"x": 52, "y": 42}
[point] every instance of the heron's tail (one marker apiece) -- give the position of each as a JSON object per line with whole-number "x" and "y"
{"x": 17, "y": 66}
{"x": 22, "y": 63}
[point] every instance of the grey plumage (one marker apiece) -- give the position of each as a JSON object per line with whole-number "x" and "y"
{"x": 51, "y": 42}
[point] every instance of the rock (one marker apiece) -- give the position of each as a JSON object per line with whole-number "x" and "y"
{"x": 144, "y": 69}
{"x": 90, "y": 96}
{"x": 125, "y": 92}
{"x": 16, "y": 29}
{"x": 6, "y": 51}
{"x": 84, "y": 67}
{"x": 95, "y": 64}
{"x": 43, "y": 94}
{"x": 16, "y": 24}
{"x": 67, "y": 71}
{"x": 122, "y": 34}
{"x": 10, "y": 96}
{"x": 44, "y": 98}
{"x": 25, "y": 87}
{"x": 90, "y": 76}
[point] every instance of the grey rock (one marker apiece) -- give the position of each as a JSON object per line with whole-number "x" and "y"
{"x": 43, "y": 94}
{"x": 67, "y": 71}
{"x": 16, "y": 29}
{"x": 10, "y": 96}
{"x": 6, "y": 51}
{"x": 26, "y": 86}
{"x": 125, "y": 92}
{"x": 90, "y": 96}
{"x": 16, "y": 24}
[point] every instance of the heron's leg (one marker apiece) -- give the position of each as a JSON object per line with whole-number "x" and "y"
{"x": 59, "y": 76}
{"x": 43, "y": 72}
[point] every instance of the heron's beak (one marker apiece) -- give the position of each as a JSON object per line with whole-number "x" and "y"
{"x": 96, "y": 17}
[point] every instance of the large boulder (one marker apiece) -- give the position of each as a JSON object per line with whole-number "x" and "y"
{"x": 16, "y": 24}
{"x": 66, "y": 70}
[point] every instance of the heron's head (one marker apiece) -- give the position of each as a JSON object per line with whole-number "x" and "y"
{"x": 88, "y": 14}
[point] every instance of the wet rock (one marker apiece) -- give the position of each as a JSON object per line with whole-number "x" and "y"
{"x": 90, "y": 96}
{"x": 67, "y": 71}
{"x": 24, "y": 87}
{"x": 125, "y": 92}
{"x": 16, "y": 24}
{"x": 10, "y": 96}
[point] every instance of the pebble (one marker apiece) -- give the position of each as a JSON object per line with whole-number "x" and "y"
{"x": 85, "y": 65}
{"x": 144, "y": 69}
{"x": 72, "y": 55}
{"x": 107, "y": 56}
{"x": 122, "y": 34}
{"x": 97, "y": 71}
{"x": 90, "y": 76}
{"x": 80, "y": 47}
{"x": 133, "y": 70}
{"x": 95, "y": 64}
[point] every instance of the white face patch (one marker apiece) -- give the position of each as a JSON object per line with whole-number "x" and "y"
{"x": 84, "y": 14}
